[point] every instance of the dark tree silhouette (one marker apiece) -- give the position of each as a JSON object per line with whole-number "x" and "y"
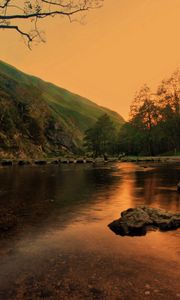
{"x": 154, "y": 125}
{"x": 100, "y": 139}
{"x": 15, "y": 14}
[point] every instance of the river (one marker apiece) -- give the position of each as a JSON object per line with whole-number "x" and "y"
{"x": 62, "y": 248}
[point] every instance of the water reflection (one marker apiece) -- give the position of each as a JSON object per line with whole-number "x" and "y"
{"x": 158, "y": 187}
{"x": 62, "y": 246}
{"x": 41, "y": 195}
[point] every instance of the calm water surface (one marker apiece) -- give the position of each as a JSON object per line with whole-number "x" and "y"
{"x": 62, "y": 248}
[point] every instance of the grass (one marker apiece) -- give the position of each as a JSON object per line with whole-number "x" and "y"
{"x": 72, "y": 113}
{"x": 171, "y": 153}
{"x": 83, "y": 111}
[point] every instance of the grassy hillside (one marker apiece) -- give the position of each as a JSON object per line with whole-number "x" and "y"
{"x": 37, "y": 117}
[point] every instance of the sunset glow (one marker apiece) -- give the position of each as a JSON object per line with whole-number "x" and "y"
{"x": 122, "y": 46}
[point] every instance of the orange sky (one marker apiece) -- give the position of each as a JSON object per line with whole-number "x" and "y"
{"x": 122, "y": 46}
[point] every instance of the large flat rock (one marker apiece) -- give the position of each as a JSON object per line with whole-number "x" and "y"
{"x": 140, "y": 220}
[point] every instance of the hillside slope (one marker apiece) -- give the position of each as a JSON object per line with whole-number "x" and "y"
{"x": 37, "y": 117}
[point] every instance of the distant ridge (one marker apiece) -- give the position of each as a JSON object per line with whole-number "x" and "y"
{"x": 39, "y": 118}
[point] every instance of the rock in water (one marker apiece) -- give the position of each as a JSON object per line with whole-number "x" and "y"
{"x": 137, "y": 221}
{"x": 178, "y": 187}
{"x": 8, "y": 220}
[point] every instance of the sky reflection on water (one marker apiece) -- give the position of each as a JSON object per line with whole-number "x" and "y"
{"x": 63, "y": 213}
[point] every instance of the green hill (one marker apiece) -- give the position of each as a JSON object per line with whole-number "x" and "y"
{"x": 39, "y": 118}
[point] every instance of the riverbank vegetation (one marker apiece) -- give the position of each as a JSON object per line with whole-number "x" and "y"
{"x": 101, "y": 139}
{"x": 41, "y": 121}
{"x": 154, "y": 125}
{"x": 153, "y": 128}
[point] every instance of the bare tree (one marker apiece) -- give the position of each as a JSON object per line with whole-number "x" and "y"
{"x": 14, "y": 14}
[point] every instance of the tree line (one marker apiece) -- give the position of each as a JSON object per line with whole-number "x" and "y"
{"x": 153, "y": 127}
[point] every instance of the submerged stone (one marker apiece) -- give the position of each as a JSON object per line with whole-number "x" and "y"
{"x": 178, "y": 187}
{"x": 7, "y": 163}
{"x": 8, "y": 220}
{"x": 40, "y": 162}
{"x": 23, "y": 162}
{"x": 137, "y": 221}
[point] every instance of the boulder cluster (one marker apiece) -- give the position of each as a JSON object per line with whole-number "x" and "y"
{"x": 137, "y": 221}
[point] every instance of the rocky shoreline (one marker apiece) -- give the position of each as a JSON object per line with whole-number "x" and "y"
{"x": 82, "y": 160}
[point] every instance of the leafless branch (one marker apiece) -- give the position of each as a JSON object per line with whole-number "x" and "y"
{"x": 29, "y": 38}
{"x": 14, "y": 14}
{"x": 5, "y": 4}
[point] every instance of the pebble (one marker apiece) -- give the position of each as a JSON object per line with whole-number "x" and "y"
{"x": 90, "y": 286}
{"x": 59, "y": 284}
{"x": 147, "y": 293}
{"x": 147, "y": 286}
